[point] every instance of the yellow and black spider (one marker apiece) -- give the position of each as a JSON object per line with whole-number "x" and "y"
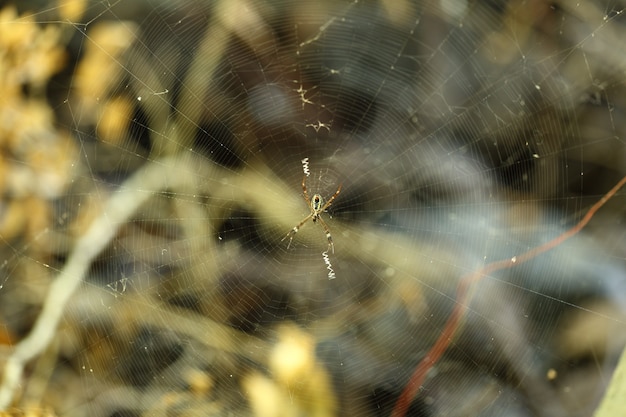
{"x": 317, "y": 207}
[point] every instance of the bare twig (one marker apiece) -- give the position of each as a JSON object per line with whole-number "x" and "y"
{"x": 463, "y": 296}
{"x": 155, "y": 176}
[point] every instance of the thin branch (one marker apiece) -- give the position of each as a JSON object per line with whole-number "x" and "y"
{"x": 463, "y": 296}
{"x": 153, "y": 177}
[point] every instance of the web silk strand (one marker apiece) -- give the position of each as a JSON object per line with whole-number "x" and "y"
{"x": 463, "y": 299}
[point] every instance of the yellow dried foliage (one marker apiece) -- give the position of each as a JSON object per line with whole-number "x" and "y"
{"x": 29, "y": 53}
{"x": 115, "y": 120}
{"x": 200, "y": 383}
{"x": 300, "y": 384}
{"x": 72, "y": 10}
{"x": 33, "y": 412}
{"x": 36, "y": 158}
{"x": 100, "y": 65}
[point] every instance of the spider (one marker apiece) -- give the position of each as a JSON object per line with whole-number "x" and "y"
{"x": 317, "y": 207}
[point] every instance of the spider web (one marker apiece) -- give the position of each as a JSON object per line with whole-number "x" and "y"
{"x": 461, "y": 132}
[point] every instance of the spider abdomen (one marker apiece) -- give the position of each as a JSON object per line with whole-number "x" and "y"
{"x": 317, "y": 203}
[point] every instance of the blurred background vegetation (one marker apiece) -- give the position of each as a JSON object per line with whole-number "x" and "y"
{"x": 463, "y": 132}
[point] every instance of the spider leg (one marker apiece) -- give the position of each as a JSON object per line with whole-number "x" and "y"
{"x": 295, "y": 229}
{"x": 331, "y": 246}
{"x": 330, "y": 200}
{"x": 304, "y": 192}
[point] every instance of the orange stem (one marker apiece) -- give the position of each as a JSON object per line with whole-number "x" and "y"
{"x": 463, "y": 298}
